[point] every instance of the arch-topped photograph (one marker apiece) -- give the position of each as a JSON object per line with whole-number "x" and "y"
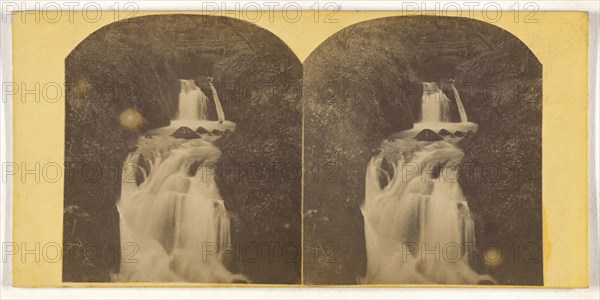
{"x": 187, "y": 132}
{"x": 428, "y": 130}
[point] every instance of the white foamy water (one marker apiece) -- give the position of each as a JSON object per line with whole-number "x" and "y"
{"x": 435, "y": 104}
{"x": 418, "y": 225}
{"x": 193, "y": 103}
{"x": 175, "y": 218}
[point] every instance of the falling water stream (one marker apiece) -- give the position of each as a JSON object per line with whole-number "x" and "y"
{"x": 435, "y": 104}
{"x": 418, "y": 224}
{"x": 173, "y": 222}
{"x": 220, "y": 112}
{"x": 192, "y": 101}
{"x": 461, "y": 108}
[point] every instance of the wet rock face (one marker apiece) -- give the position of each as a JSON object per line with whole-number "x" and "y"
{"x": 185, "y": 133}
{"x": 428, "y": 135}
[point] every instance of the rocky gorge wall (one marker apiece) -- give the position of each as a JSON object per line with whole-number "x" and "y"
{"x": 501, "y": 174}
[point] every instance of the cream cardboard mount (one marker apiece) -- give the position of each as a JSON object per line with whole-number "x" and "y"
{"x": 559, "y": 40}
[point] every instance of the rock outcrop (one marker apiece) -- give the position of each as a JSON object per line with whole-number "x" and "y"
{"x": 185, "y": 133}
{"x": 202, "y": 130}
{"x": 444, "y": 132}
{"x": 428, "y": 135}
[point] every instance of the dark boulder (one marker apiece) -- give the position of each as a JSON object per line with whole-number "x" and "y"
{"x": 185, "y": 133}
{"x": 444, "y": 132}
{"x": 459, "y": 134}
{"x": 202, "y": 130}
{"x": 217, "y": 132}
{"x": 428, "y": 135}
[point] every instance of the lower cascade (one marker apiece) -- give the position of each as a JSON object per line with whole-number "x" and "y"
{"x": 418, "y": 224}
{"x": 173, "y": 223}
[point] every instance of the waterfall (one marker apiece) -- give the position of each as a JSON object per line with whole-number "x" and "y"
{"x": 461, "y": 108}
{"x": 192, "y": 102}
{"x": 418, "y": 226}
{"x": 435, "y": 104}
{"x": 173, "y": 223}
{"x": 172, "y": 217}
{"x": 220, "y": 112}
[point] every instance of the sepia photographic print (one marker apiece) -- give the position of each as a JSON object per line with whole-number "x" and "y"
{"x": 197, "y": 121}
{"x": 423, "y": 155}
